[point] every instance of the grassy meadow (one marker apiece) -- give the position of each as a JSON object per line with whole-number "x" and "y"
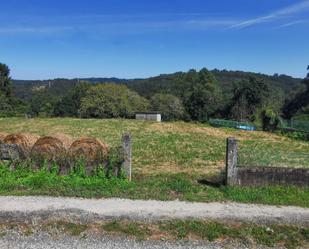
{"x": 170, "y": 158}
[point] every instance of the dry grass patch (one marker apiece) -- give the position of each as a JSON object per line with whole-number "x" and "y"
{"x": 188, "y": 145}
{"x": 209, "y": 168}
{"x": 182, "y": 127}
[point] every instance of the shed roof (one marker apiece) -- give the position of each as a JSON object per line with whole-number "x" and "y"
{"x": 148, "y": 113}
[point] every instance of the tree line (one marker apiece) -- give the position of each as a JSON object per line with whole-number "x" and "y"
{"x": 193, "y": 95}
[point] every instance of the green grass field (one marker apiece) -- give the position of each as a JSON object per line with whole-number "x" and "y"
{"x": 170, "y": 158}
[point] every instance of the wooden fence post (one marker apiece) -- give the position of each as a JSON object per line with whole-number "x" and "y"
{"x": 231, "y": 161}
{"x": 127, "y": 150}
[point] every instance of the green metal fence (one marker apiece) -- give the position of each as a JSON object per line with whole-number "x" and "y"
{"x": 232, "y": 124}
{"x": 291, "y": 125}
{"x": 297, "y": 125}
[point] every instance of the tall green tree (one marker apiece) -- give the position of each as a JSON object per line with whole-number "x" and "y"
{"x": 203, "y": 97}
{"x": 42, "y": 104}
{"x": 6, "y": 108}
{"x": 70, "y": 104}
{"x": 5, "y": 81}
{"x": 248, "y": 97}
{"x": 299, "y": 103}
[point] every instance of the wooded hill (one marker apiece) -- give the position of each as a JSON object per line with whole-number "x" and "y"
{"x": 192, "y": 95}
{"x": 149, "y": 86}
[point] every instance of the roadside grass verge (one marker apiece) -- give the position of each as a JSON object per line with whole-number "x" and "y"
{"x": 171, "y": 230}
{"x": 22, "y": 181}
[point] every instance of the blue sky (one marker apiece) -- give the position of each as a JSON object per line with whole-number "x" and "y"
{"x": 42, "y": 39}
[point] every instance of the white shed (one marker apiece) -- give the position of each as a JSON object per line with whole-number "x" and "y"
{"x": 150, "y": 116}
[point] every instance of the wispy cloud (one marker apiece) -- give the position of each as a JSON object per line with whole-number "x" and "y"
{"x": 282, "y": 13}
{"x": 34, "y": 30}
{"x": 289, "y": 24}
{"x": 121, "y": 27}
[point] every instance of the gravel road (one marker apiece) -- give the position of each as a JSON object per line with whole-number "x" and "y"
{"x": 87, "y": 210}
{"x": 45, "y": 241}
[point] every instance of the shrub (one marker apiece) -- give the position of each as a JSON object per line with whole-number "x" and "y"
{"x": 170, "y": 107}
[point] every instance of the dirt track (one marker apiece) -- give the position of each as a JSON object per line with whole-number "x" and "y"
{"x": 87, "y": 210}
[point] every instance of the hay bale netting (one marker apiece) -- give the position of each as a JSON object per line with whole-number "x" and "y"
{"x": 89, "y": 149}
{"x": 2, "y": 136}
{"x": 24, "y": 140}
{"x": 48, "y": 148}
{"x": 65, "y": 139}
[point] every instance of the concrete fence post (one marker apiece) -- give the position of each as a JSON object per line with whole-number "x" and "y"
{"x": 11, "y": 152}
{"x": 231, "y": 161}
{"x": 127, "y": 150}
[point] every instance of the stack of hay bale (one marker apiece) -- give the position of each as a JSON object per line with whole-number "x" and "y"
{"x": 59, "y": 148}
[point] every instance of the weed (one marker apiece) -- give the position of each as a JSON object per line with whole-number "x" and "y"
{"x": 2, "y": 234}
{"x": 137, "y": 230}
{"x": 73, "y": 229}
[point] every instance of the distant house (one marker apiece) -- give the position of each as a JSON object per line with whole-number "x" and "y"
{"x": 150, "y": 116}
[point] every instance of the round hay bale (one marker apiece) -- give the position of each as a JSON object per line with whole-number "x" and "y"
{"x": 32, "y": 138}
{"x": 65, "y": 139}
{"x": 48, "y": 147}
{"x": 88, "y": 148}
{"x": 2, "y": 136}
{"x": 25, "y": 140}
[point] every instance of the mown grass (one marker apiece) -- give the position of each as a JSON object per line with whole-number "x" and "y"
{"x": 185, "y": 146}
{"x": 274, "y": 153}
{"x": 168, "y": 161}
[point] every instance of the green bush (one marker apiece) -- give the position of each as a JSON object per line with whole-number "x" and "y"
{"x": 270, "y": 120}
